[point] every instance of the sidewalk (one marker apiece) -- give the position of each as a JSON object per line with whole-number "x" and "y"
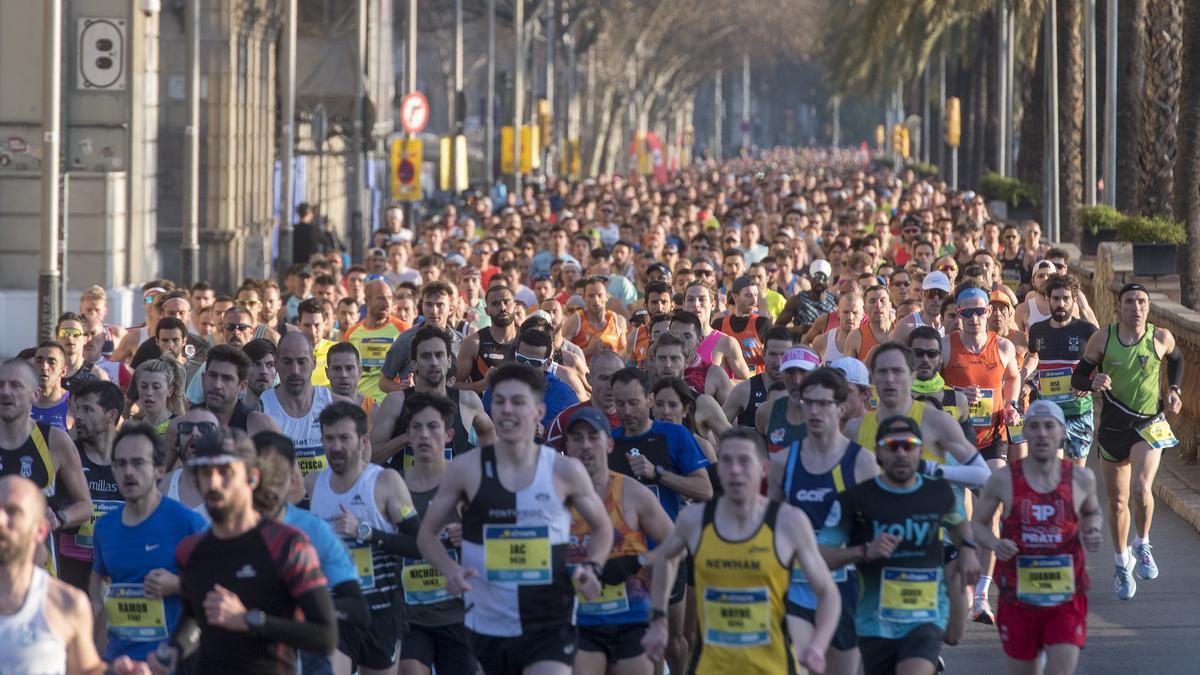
{"x": 1178, "y": 486}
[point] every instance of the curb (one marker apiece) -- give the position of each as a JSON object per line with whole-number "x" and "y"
{"x": 1176, "y": 487}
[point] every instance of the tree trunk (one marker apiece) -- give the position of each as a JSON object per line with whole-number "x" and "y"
{"x": 1131, "y": 55}
{"x": 983, "y": 69}
{"x": 1032, "y": 154}
{"x": 1160, "y": 107}
{"x": 600, "y": 132}
{"x": 1187, "y": 163}
{"x": 1070, "y": 116}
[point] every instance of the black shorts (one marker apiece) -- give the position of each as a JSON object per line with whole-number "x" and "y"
{"x": 376, "y": 645}
{"x": 683, "y": 579}
{"x": 617, "y": 642}
{"x": 506, "y": 655}
{"x": 445, "y": 648}
{"x": 1116, "y": 444}
{"x": 845, "y": 637}
{"x": 880, "y": 656}
{"x": 997, "y": 449}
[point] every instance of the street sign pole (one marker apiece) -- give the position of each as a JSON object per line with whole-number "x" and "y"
{"x": 50, "y": 276}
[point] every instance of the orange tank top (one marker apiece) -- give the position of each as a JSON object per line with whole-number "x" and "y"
{"x": 641, "y": 345}
{"x": 747, "y": 338}
{"x": 986, "y": 371}
{"x": 866, "y": 342}
{"x": 607, "y": 335}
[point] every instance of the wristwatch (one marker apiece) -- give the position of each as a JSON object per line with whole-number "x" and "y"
{"x": 165, "y": 653}
{"x": 62, "y": 519}
{"x": 659, "y": 471}
{"x": 363, "y": 533}
{"x": 967, "y": 543}
{"x": 255, "y": 618}
{"x": 656, "y": 614}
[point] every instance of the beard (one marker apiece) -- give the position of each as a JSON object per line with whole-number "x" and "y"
{"x": 503, "y": 319}
{"x": 14, "y": 547}
{"x": 1060, "y": 315}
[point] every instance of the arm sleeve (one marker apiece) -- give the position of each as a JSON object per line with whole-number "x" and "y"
{"x": 350, "y": 605}
{"x": 973, "y": 474}
{"x": 1175, "y": 367}
{"x": 1081, "y": 379}
{"x": 316, "y": 633}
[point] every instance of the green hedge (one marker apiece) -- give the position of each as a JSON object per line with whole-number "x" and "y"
{"x": 1095, "y": 218}
{"x": 1139, "y": 229}
{"x": 1009, "y": 190}
{"x": 923, "y": 169}
{"x": 883, "y": 161}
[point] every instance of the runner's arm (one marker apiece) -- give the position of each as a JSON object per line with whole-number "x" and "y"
{"x": 317, "y": 632}
{"x": 394, "y": 363}
{"x": 97, "y": 588}
{"x": 717, "y": 383}
{"x": 578, "y": 491}
{"x": 485, "y": 429}
{"x": 669, "y": 552}
{"x": 387, "y": 413}
{"x": 736, "y": 401}
{"x": 350, "y": 605}
{"x": 804, "y": 551}
{"x": 971, "y": 471}
{"x": 991, "y": 497}
{"x": 398, "y": 508}
{"x": 438, "y": 513}
{"x": 1012, "y": 374}
{"x": 775, "y": 476}
{"x": 463, "y": 362}
{"x": 81, "y": 650}
{"x": 695, "y": 485}
{"x": 737, "y": 362}
{"x": 1093, "y": 355}
{"x": 70, "y": 472}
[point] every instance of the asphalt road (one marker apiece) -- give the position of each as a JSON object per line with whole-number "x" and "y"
{"x": 1158, "y": 631}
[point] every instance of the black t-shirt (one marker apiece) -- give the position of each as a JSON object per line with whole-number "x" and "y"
{"x": 268, "y": 568}
{"x": 1065, "y": 343}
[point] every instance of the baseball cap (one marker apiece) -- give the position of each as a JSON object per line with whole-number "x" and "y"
{"x": 1000, "y": 297}
{"x": 468, "y": 271}
{"x": 1044, "y": 408}
{"x": 456, "y": 259}
{"x": 800, "y": 357}
{"x": 221, "y": 448}
{"x": 572, "y": 263}
{"x": 300, "y": 270}
{"x": 898, "y": 427}
{"x": 377, "y": 252}
{"x": 936, "y": 281}
{"x": 593, "y": 417}
{"x": 741, "y": 283}
{"x": 854, "y": 370}
{"x": 820, "y": 267}
{"x": 1044, "y": 264}
{"x": 660, "y": 268}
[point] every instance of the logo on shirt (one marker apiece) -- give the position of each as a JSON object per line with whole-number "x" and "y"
{"x": 1143, "y": 360}
{"x": 542, "y": 497}
{"x": 26, "y": 467}
{"x": 1072, "y": 343}
{"x": 817, "y": 495}
{"x": 151, "y": 547}
{"x": 246, "y": 572}
{"x": 357, "y": 501}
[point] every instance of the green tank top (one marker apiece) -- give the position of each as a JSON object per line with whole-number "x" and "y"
{"x": 1134, "y": 370}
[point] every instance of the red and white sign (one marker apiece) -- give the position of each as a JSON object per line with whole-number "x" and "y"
{"x": 414, "y": 112}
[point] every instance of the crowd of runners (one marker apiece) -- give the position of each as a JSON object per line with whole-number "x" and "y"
{"x": 789, "y": 412}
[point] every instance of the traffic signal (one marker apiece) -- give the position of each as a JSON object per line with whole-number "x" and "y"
{"x": 953, "y": 122}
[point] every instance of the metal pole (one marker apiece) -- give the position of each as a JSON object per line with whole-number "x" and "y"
{"x": 410, "y": 85}
{"x": 489, "y": 124}
{"x": 954, "y": 167}
{"x": 837, "y": 121}
{"x": 1052, "y": 173}
{"x": 1010, "y": 96}
{"x": 926, "y": 140}
{"x": 64, "y": 240}
{"x": 1110, "y": 108}
{"x": 746, "y": 101}
{"x": 941, "y": 97}
{"x": 718, "y": 114}
{"x": 1002, "y": 108}
{"x": 49, "y": 277}
{"x": 287, "y": 197}
{"x": 1089, "y": 103}
{"x": 189, "y": 249}
{"x": 354, "y": 154}
{"x": 518, "y": 91}
{"x": 460, "y": 101}
{"x": 548, "y": 142}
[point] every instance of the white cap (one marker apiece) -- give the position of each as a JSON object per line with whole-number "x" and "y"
{"x": 456, "y": 259}
{"x": 404, "y": 234}
{"x": 800, "y": 357}
{"x": 936, "y": 281}
{"x": 820, "y": 267}
{"x": 1044, "y": 408}
{"x": 854, "y": 370}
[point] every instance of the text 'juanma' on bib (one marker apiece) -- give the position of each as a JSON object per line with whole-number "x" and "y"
{"x": 1045, "y": 580}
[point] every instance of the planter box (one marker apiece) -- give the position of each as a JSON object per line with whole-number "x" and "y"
{"x": 1091, "y": 242}
{"x": 1154, "y": 260}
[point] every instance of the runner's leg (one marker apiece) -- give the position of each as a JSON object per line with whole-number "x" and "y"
{"x": 677, "y": 644}
{"x": 1116, "y": 485}
{"x": 547, "y": 668}
{"x": 590, "y": 663}
{"x": 1143, "y": 461}
{"x": 915, "y": 667}
{"x": 638, "y": 665}
{"x": 1061, "y": 659}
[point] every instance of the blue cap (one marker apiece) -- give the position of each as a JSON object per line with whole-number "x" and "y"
{"x": 597, "y": 419}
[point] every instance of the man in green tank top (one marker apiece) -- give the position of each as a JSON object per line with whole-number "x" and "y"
{"x": 1133, "y": 429}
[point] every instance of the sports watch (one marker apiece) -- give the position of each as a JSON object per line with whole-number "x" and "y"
{"x": 363, "y": 533}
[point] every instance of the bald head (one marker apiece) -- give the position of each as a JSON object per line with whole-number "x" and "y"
{"x": 18, "y": 387}
{"x": 22, "y": 519}
{"x": 293, "y": 341}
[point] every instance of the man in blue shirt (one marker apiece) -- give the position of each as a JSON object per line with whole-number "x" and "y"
{"x": 135, "y": 576}
{"x": 535, "y": 349}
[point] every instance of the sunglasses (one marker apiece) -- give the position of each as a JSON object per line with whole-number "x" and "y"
{"x": 907, "y": 444}
{"x": 238, "y": 326}
{"x": 935, "y": 294}
{"x": 927, "y": 353}
{"x": 70, "y": 332}
{"x": 972, "y": 312}
{"x": 902, "y": 284}
{"x": 248, "y": 303}
{"x": 205, "y": 428}
{"x": 530, "y": 361}
{"x": 948, "y": 268}
{"x": 705, "y": 273}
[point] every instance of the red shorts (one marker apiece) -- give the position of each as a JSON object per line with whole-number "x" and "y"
{"x": 1025, "y": 629}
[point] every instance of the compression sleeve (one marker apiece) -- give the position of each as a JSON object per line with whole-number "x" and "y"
{"x": 1081, "y": 379}
{"x": 350, "y": 604}
{"x": 316, "y": 633}
{"x": 973, "y": 474}
{"x": 1175, "y": 368}
{"x": 404, "y": 540}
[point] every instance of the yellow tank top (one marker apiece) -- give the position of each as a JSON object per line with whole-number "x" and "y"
{"x": 741, "y": 587}
{"x": 870, "y": 426}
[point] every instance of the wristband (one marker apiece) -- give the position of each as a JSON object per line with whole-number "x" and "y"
{"x": 594, "y": 566}
{"x": 656, "y": 614}
{"x": 967, "y": 543}
{"x": 865, "y": 557}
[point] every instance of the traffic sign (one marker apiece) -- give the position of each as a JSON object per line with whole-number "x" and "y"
{"x": 414, "y": 112}
{"x": 406, "y": 169}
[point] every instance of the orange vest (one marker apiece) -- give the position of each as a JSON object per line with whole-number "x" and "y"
{"x": 747, "y": 338}
{"x": 866, "y": 342}
{"x": 986, "y": 371}
{"x": 607, "y": 335}
{"x": 641, "y": 345}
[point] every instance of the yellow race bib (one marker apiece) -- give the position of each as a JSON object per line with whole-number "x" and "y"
{"x": 1054, "y": 384}
{"x": 613, "y": 600}
{"x": 980, "y": 412}
{"x": 422, "y": 582}
{"x": 134, "y": 617}
{"x": 410, "y": 459}
{"x": 1157, "y": 432}
{"x": 737, "y": 617}
{"x": 517, "y": 554}
{"x": 87, "y": 529}
{"x": 365, "y": 564}
{"x": 909, "y": 595}
{"x": 311, "y": 460}
{"x": 1045, "y": 580}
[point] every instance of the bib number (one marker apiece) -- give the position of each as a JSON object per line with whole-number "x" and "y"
{"x": 364, "y": 564}
{"x": 1045, "y": 580}
{"x": 373, "y": 351}
{"x": 517, "y": 555}
{"x": 1054, "y": 384}
{"x": 410, "y": 458}
{"x": 737, "y": 617}
{"x": 87, "y": 529}
{"x": 840, "y": 576}
{"x": 909, "y": 595}
{"x": 311, "y": 460}
{"x": 613, "y": 600}
{"x": 982, "y": 409}
{"x": 1157, "y": 432}
{"x": 422, "y": 582}
{"x": 134, "y": 617}
{"x": 1016, "y": 432}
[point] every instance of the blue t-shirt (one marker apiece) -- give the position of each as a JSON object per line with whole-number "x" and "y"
{"x": 559, "y": 397}
{"x": 126, "y": 554}
{"x": 665, "y": 444}
{"x": 335, "y": 560}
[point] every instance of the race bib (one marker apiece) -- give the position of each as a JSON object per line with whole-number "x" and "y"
{"x": 873, "y": 399}
{"x": 87, "y": 529}
{"x": 1157, "y": 432}
{"x": 365, "y": 564}
{"x": 134, "y": 617}
{"x": 737, "y": 617}
{"x": 410, "y": 458}
{"x": 422, "y": 582}
{"x": 517, "y": 555}
{"x": 613, "y": 600}
{"x": 1045, "y": 580}
{"x": 799, "y": 578}
{"x": 311, "y": 460}
{"x": 1054, "y": 384}
{"x": 980, "y": 412}
{"x": 373, "y": 351}
{"x": 1016, "y": 432}
{"x": 909, "y": 595}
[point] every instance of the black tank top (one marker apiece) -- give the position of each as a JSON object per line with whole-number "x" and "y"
{"x": 84, "y": 374}
{"x": 1013, "y": 272}
{"x": 29, "y": 461}
{"x": 240, "y": 417}
{"x": 758, "y": 392}
{"x": 491, "y": 353}
{"x": 458, "y": 445}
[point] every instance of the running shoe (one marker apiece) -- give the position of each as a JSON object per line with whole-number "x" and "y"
{"x": 1124, "y": 585}
{"x": 981, "y": 611}
{"x": 1146, "y": 567}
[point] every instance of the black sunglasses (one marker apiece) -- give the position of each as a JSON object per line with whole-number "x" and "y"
{"x": 238, "y": 326}
{"x": 205, "y": 428}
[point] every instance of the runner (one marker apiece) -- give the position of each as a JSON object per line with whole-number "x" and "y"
{"x": 745, "y": 296}
{"x": 72, "y": 337}
{"x": 489, "y": 347}
{"x": 1133, "y": 428}
{"x": 295, "y": 405}
{"x": 1042, "y": 574}
{"x": 314, "y": 327}
{"x": 703, "y": 377}
{"x": 52, "y": 403}
{"x": 934, "y": 289}
{"x": 160, "y": 393}
{"x": 370, "y": 508}
{"x": 437, "y": 301}
{"x": 668, "y": 354}
{"x": 926, "y": 345}
{"x": 816, "y": 470}
{"x": 803, "y": 309}
{"x": 781, "y": 420}
{"x": 45, "y": 624}
{"x": 659, "y": 300}
{"x": 1015, "y": 269}
{"x": 225, "y": 372}
{"x": 599, "y": 380}
{"x": 744, "y": 548}
{"x": 535, "y": 349}
{"x": 1055, "y": 347}
{"x": 597, "y": 326}
{"x": 832, "y": 345}
{"x": 879, "y": 326}
{"x": 184, "y": 433}
{"x": 744, "y": 399}
{"x": 374, "y": 335}
{"x": 903, "y": 606}
{"x": 134, "y": 580}
{"x": 344, "y": 369}
{"x": 860, "y": 399}
{"x": 712, "y": 346}
{"x": 244, "y": 580}
{"x": 518, "y": 594}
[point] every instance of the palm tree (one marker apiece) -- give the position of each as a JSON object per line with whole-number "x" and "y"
{"x": 1187, "y": 163}
{"x": 1160, "y": 107}
{"x": 1131, "y": 47}
{"x": 1070, "y": 109}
